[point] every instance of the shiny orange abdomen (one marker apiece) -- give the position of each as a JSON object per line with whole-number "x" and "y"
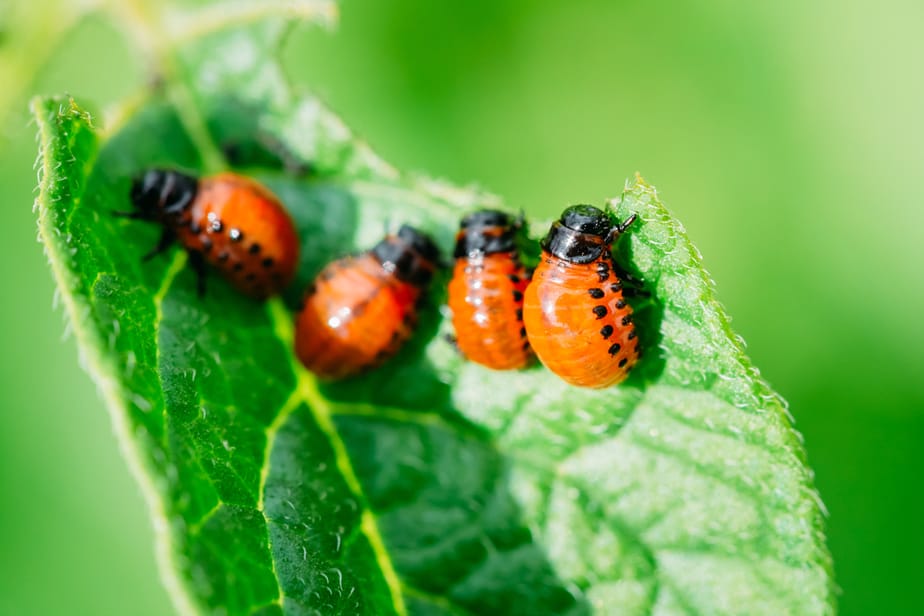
{"x": 244, "y": 231}
{"x": 486, "y": 299}
{"x": 579, "y": 323}
{"x": 356, "y": 315}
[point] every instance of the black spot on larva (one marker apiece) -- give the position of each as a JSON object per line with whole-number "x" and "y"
{"x": 522, "y": 332}
{"x": 217, "y": 226}
{"x": 622, "y": 362}
{"x": 621, "y": 303}
{"x": 607, "y": 331}
{"x": 206, "y": 244}
{"x": 250, "y": 277}
{"x": 514, "y": 278}
{"x": 237, "y": 267}
{"x": 519, "y": 314}
{"x": 596, "y": 293}
{"x": 517, "y": 296}
{"x": 268, "y": 262}
{"x": 235, "y": 234}
{"x": 631, "y": 335}
{"x": 254, "y": 248}
{"x": 603, "y": 275}
{"x": 223, "y": 256}
{"x": 194, "y": 227}
{"x": 615, "y": 287}
{"x": 526, "y": 345}
{"x": 614, "y": 348}
{"x": 627, "y": 319}
{"x": 600, "y": 311}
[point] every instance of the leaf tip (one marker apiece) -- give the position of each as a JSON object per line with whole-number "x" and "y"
{"x": 641, "y": 185}
{"x": 62, "y": 107}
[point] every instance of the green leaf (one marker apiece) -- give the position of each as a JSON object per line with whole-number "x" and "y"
{"x": 431, "y": 485}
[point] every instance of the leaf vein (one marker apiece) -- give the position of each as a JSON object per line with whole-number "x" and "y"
{"x": 307, "y": 391}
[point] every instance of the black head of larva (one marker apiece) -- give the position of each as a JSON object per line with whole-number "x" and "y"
{"x": 421, "y": 243}
{"x": 159, "y": 192}
{"x": 581, "y": 235}
{"x": 587, "y": 219}
{"x": 486, "y": 218}
{"x": 410, "y": 255}
{"x": 486, "y": 232}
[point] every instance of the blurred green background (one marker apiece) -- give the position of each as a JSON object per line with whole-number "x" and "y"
{"x": 787, "y": 136}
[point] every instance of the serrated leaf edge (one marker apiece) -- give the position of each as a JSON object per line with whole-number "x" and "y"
{"x": 100, "y": 370}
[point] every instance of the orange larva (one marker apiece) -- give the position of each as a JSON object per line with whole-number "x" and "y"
{"x": 577, "y": 319}
{"x": 360, "y": 310}
{"x": 486, "y": 292}
{"x": 227, "y": 220}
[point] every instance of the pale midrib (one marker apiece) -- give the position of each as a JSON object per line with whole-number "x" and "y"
{"x": 306, "y": 391}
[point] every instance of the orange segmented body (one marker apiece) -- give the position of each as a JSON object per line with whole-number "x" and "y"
{"x": 228, "y": 221}
{"x": 360, "y": 310}
{"x": 486, "y": 293}
{"x": 577, "y": 319}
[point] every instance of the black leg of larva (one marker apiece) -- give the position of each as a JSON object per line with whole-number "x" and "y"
{"x": 635, "y": 292}
{"x": 631, "y": 286}
{"x": 621, "y": 227}
{"x": 166, "y": 238}
{"x": 197, "y": 263}
{"x": 625, "y": 276}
